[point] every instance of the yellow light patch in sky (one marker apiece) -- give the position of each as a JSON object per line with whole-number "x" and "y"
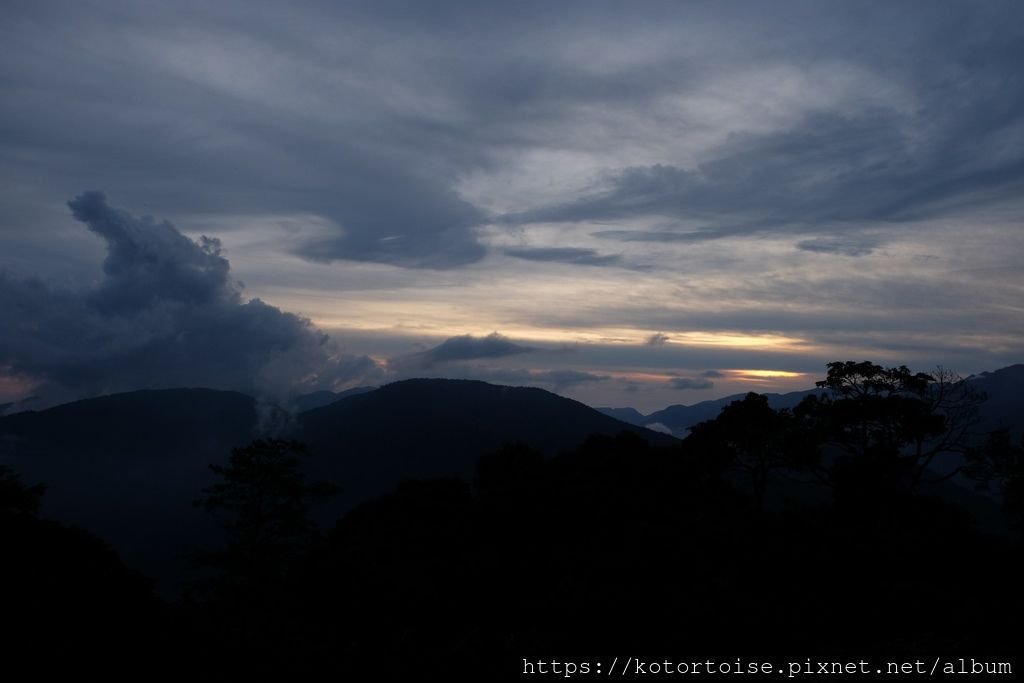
{"x": 736, "y": 340}
{"x": 765, "y": 374}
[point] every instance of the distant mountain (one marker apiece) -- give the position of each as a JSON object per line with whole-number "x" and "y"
{"x": 440, "y": 427}
{"x": 679, "y": 418}
{"x": 1003, "y": 408}
{"x": 628, "y": 415}
{"x": 319, "y": 399}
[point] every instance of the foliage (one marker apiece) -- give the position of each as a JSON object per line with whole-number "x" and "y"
{"x": 891, "y": 420}
{"x": 751, "y": 437}
{"x": 262, "y": 496}
{"x": 1000, "y": 462}
{"x": 17, "y": 499}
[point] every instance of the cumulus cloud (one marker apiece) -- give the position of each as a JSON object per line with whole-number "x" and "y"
{"x": 165, "y": 313}
{"x": 149, "y": 262}
{"x": 691, "y": 383}
{"x": 460, "y": 348}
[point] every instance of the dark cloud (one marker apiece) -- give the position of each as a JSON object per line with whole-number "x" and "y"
{"x": 166, "y": 313}
{"x": 391, "y": 216}
{"x": 151, "y": 262}
{"x": 691, "y": 383}
{"x": 843, "y": 246}
{"x": 657, "y": 339}
{"x": 461, "y": 348}
{"x": 556, "y": 380}
{"x": 560, "y": 379}
{"x": 712, "y": 373}
{"x": 830, "y": 167}
{"x": 570, "y": 255}
{"x": 378, "y": 140}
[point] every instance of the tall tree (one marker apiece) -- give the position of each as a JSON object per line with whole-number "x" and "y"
{"x": 894, "y": 420}
{"x": 262, "y": 496}
{"x": 750, "y": 437}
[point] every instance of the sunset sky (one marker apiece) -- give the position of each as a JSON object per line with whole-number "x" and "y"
{"x": 629, "y": 203}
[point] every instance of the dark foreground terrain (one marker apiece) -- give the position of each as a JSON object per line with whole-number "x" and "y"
{"x": 778, "y": 536}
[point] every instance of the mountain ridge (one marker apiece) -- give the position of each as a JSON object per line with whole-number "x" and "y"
{"x": 129, "y": 466}
{"x": 1003, "y": 408}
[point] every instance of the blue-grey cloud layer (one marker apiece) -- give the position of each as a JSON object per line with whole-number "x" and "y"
{"x": 369, "y": 115}
{"x": 691, "y": 383}
{"x": 460, "y": 348}
{"x": 166, "y": 313}
{"x": 568, "y": 255}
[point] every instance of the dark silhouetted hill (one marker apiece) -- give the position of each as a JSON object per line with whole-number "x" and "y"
{"x": 128, "y": 466}
{"x": 156, "y": 421}
{"x": 440, "y": 427}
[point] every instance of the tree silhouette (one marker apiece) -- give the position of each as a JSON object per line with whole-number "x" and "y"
{"x": 1000, "y": 462}
{"x": 17, "y": 499}
{"x": 891, "y": 423}
{"x": 752, "y": 438}
{"x": 262, "y": 498}
{"x": 57, "y": 579}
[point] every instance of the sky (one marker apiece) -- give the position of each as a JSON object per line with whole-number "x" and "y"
{"x": 628, "y": 203}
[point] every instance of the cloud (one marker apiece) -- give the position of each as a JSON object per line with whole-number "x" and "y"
{"x": 834, "y": 168}
{"x": 561, "y": 379}
{"x": 740, "y": 150}
{"x": 712, "y": 373}
{"x": 391, "y": 216}
{"x": 557, "y": 380}
{"x": 843, "y": 246}
{"x": 662, "y": 235}
{"x": 658, "y": 339}
{"x": 460, "y": 348}
{"x": 166, "y": 313}
{"x": 569, "y": 255}
{"x": 691, "y": 383}
{"x": 149, "y": 262}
